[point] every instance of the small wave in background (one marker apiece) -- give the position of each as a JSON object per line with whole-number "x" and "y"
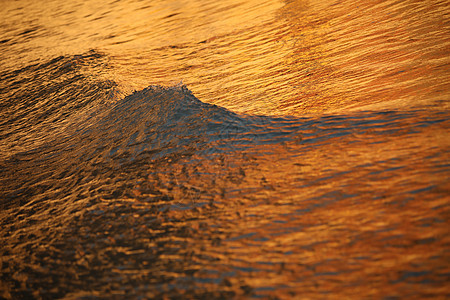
{"x": 274, "y": 149}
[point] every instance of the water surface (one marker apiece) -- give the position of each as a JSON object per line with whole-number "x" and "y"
{"x": 233, "y": 149}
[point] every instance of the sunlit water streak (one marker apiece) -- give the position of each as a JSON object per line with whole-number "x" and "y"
{"x": 194, "y": 149}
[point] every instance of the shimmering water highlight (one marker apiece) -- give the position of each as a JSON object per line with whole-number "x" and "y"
{"x": 234, "y": 149}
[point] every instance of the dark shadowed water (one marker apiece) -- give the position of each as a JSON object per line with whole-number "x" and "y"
{"x": 232, "y": 149}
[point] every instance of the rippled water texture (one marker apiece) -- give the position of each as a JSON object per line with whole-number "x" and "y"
{"x": 224, "y": 149}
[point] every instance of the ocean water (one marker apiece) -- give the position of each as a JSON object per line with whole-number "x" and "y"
{"x": 224, "y": 149}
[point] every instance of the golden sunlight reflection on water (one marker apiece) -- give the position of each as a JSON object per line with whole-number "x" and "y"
{"x": 307, "y": 57}
{"x": 159, "y": 195}
{"x": 263, "y": 57}
{"x": 335, "y": 219}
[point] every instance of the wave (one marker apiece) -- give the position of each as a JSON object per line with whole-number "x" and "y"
{"x": 64, "y": 101}
{"x": 62, "y": 124}
{"x": 167, "y": 120}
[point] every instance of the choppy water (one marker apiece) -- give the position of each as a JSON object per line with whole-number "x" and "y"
{"x": 232, "y": 149}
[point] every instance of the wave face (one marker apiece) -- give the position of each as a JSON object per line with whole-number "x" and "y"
{"x": 62, "y": 110}
{"x": 306, "y": 155}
